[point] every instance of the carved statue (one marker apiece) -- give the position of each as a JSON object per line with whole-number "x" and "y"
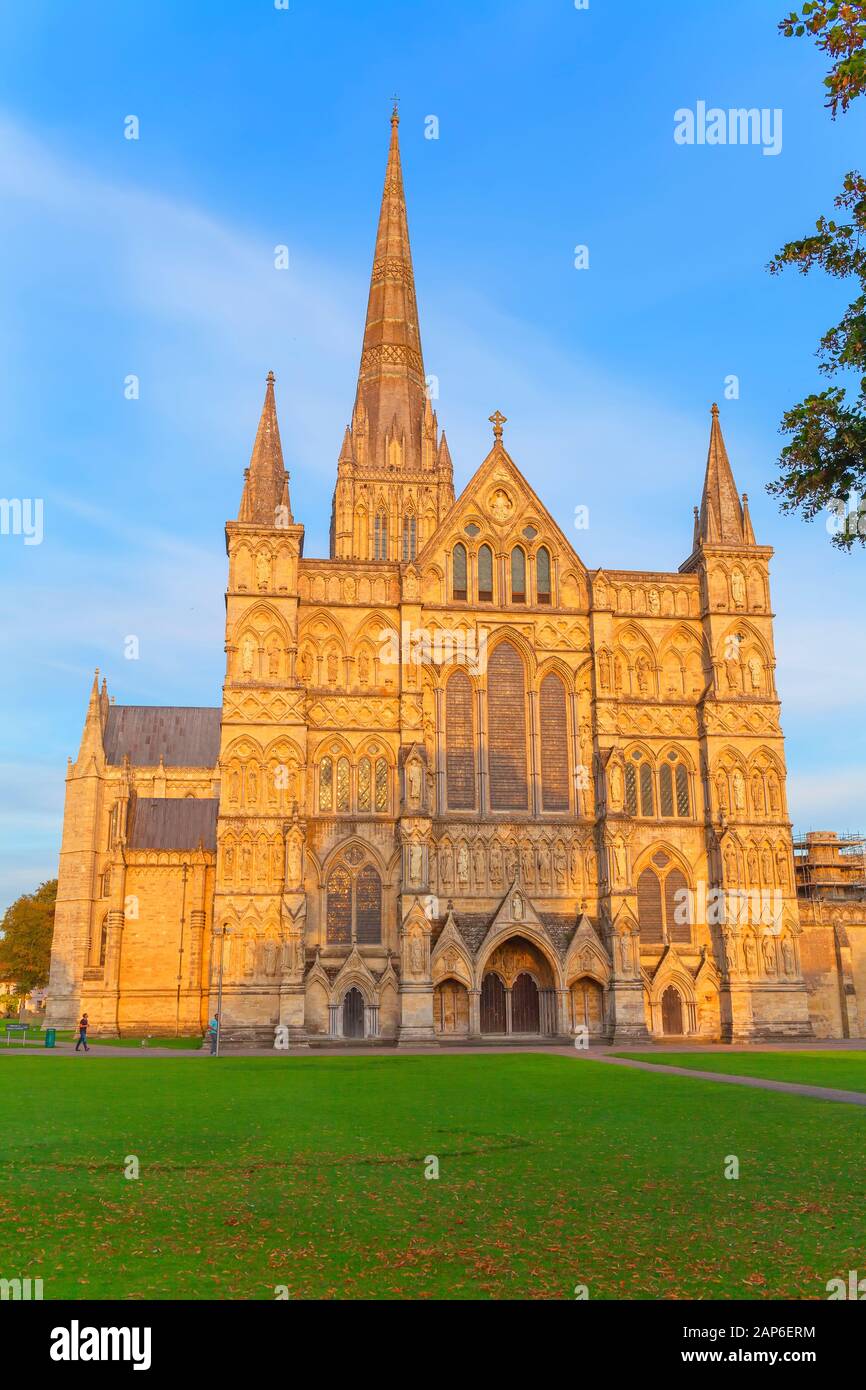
{"x": 654, "y": 604}
{"x": 739, "y": 787}
{"x": 445, "y": 864}
{"x": 248, "y": 650}
{"x": 749, "y": 953}
{"x": 415, "y": 783}
{"x": 363, "y": 668}
{"x": 462, "y": 865}
{"x": 416, "y": 863}
{"x": 495, "y": 863}
{"x": 733, "y": 673}
{"x": 616, "y": 787}
{"x": 478, "y": 863}
{"x": 294, "y": 863}
{"x": 416, "y": 953}
{"x": 332, "y": 668}
{"x": 769, "y": 956}
{"x": 273, "y": 659}
{"x": 263, "y": 569}
{"x": 738, "y": 589}
{"x": 756, "y": 672}
{"x": 788, "y": 956}
{"x": 604, "y": 671}
{"x": 643, "y": 675}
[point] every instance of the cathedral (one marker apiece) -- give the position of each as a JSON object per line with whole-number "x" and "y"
{"x": 459, "y": 787}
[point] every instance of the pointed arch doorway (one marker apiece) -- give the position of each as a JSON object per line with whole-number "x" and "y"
{"x": 672, "y": 1012}
{"x": 353, "y": 1014}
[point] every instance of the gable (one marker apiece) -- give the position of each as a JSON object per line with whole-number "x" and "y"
{"x": 498, "y": 508}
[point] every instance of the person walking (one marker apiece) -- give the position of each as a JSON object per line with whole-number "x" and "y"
{"x": 213, "y": 1033}
{"x": 83, "y": 1025}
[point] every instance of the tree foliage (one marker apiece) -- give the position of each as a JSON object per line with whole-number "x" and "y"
{"x": 823, "y": 468}
{"x": 25, "y": 938}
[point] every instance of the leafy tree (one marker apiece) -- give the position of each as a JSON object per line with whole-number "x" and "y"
{"x": 824, "y": 465}
{"x": 25, "y": 938}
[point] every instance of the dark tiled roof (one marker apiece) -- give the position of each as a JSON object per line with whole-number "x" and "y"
{"x": 183, "y": 735}
{"x": 560, "y": 927}
{"x": 473, "y": 927}
{"x": 174, "y": 822}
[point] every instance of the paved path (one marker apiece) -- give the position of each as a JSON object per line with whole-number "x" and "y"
{"x": 762, "y": 1083}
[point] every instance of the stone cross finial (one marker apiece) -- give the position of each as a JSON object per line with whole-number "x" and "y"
{"x": 497, "y": 420}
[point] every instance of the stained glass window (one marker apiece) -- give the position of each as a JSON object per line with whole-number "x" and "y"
{"x": 368, "y": 907}
{"x": 365, "y": 785}
{"x": 458, "y": 568}
{"x": 408, "y": 539}
{"x": 518, "y": 575}
{"x": 666, "y": 789}
{"x": 381, "y": 784}
{"x": 339, "y": 914}
{"x": 646, "y": 790}
{"x": 683, "y": 807}
{"x": 343, "y": 784}
{"x": 485, "y": 574}
{"x": 630, "y": 789}
{"x": 326, "y": 785}
{"x": 380, "y": 536}
{"x": 542, "y": 575}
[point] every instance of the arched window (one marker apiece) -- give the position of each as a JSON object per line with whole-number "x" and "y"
{"x": 506, "y": 730}
{"x": 682, "y": 779}
{"x": 674, "y": 787}
{"x": 381, "y": 784}
{"x": 458, "y": 572}
{"x": 664, "y": 903}
{"x": 647, "y": 803}
{"x": 365, "y": 785}
{"x": 380, "y": 536}
{"x": 339, "y": 909}
{"x": 103, "y": 941}
{"x": 408, "y": 538}
{"x": 343, "y": 777}
{"x": 649, "y": 908}
{"x": 459, "y": 744}
{"x": 354, "y": 906}
{"x": 631, "y": 789}
{"x": 554, "y": 745}
{"x": 485, "y": 575}
{"x": 542, "y": 575}
{"x": 326, "y": 785}
{"x": 677, "y": 907}
{"x": 368, "y": 907}
{"x": 518, "y": 575}
{"x": 639, "y": 798}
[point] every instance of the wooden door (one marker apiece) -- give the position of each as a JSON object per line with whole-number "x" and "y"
{"x": 492, "y": 1004}
{"x": 672, "y": 1012}
{"x": 524, "y": 1005}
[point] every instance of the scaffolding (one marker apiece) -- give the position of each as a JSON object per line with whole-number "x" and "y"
{"x": 830, "y": 865}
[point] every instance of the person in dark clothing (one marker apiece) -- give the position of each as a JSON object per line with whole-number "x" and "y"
{"x": 83, "y": 1025}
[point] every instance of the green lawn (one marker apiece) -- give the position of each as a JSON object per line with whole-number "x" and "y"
{"x": 309, "y": 1173}
{"x": 844, "y": 1070}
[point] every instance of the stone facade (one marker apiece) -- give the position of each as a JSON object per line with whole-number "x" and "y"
{"x": 459, "y": 784}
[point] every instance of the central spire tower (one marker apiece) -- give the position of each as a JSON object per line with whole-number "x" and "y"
{"x": 394, "y": 475}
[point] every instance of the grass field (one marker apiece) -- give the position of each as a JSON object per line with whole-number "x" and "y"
{"x": 309, "y": 1173}
{"x": 845, "y": 1071}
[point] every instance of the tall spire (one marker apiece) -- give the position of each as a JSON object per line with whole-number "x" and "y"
{"x": 721, "y": 520}
{"x": 391, "y": 397}
{"x": 266, "y": 479}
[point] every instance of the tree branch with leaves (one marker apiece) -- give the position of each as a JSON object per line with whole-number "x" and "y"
{"x": 823, "y": 467}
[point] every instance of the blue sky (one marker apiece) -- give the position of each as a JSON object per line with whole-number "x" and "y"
{"x": 261, "y": 127}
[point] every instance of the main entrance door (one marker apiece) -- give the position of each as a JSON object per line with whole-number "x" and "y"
{"x": 353, "y": 1014}
{"x": 492, "y": 1004}
{"x": 524, "y": 1005}
{"x": 672, "y": 1012}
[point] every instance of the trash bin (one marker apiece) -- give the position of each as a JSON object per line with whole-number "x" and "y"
{"x": 50, "y": 1037}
